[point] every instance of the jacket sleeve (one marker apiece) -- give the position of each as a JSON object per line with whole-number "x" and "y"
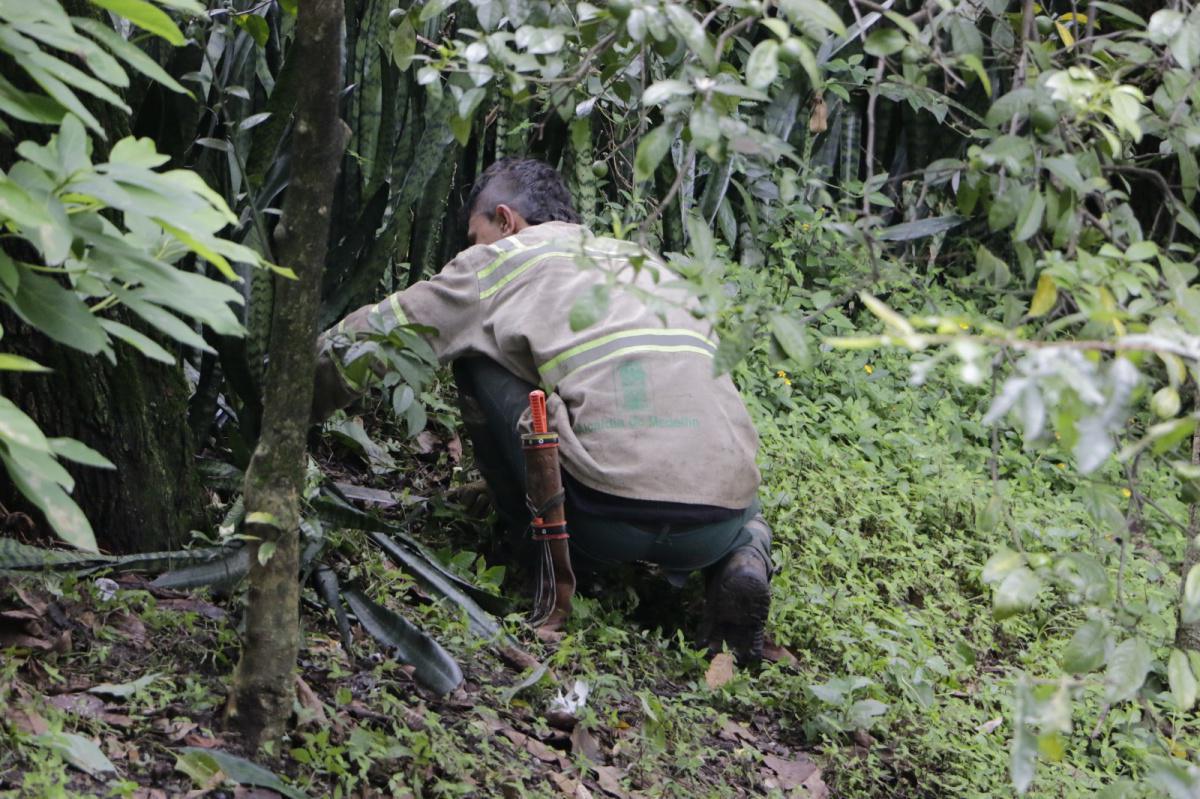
{"x": 448, "y": 302}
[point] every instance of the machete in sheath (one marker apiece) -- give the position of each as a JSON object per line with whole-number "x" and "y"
{"x": 555, "y": 580}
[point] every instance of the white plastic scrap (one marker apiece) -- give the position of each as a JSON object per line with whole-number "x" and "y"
{"x": 572, "y": 702}
{"x": 106, "y": 588}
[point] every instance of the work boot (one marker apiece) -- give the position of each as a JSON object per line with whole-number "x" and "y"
{"x": 739, "y": 596}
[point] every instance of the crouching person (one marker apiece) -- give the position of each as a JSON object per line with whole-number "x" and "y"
{"x": 657, "y": 453}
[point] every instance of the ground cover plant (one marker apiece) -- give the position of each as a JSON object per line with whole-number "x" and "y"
{"x": 949, "y": 248}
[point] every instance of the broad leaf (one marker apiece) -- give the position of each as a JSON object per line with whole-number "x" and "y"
{"x": 435, "y": 669}
{"x": 1127, "y": 670}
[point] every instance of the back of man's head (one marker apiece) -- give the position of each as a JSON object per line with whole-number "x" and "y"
{"x": 532, "y": 188}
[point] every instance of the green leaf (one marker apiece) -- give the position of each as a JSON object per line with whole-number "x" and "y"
{"x": 1191, "y": 596}
{"x": 79, "y": 452}
{"x": 435, "y": 669}
{"x": 80, "y": 752}
{"x": 763, "y": 64}
{"x": 885, "y": 42}
{"x": 143, "y": 343}
{"x": 589, "y": 307}
{"x": 688, "y": 27}
{"x": 15, "y": 363}
{"x": 1175, "y": 778}
{"x": 1127, "y": 670}
{"x": 125, "y": 689}
{"x": 792, "y": 338}
{"x": 1085, "y": 652}
{"x": 256, "y": 27}
{"x": 1030, "y": 218}
{"x": 650, "y": 151}
{"x": 224, "y": 568}
{"x": 404, "y": 44}
{"x": 128, "y": 52}
{"x": 1016, "y": 593}
{"x": 265, "y": 550}
{"x": 238, "y": 769}
{"x": 803, "y": 11}
{"x": 990, "y": 268}
{"x": 1182, "y": 680}
{"x": 146, "y": 16}
{"x": 59, "y": 313}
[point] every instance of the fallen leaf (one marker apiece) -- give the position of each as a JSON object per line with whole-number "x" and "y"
{"x": 124, "y": 689}
{"x": 149, "y": 793}
{"x": 130, "y": 626}
{"x": 80, "y": 752}
{"x": 541, "y": 751}
{"x": 720, "y": 670}
{"x": 202, "y": 741}
{"x": 732, "y": 731}
{"x": 27, "y": 720}
{"x": 455, "y": 449}
{"x": 84, "y": 705}
{"x": 36, "y": 604}
{"x": 564, "y": 783}
{"x": 791, "y": 773}
{"x": 314, "y": 709}
{"x": 584, "y": 743}
{"x": 989, "y": 726}
{"x": 191, "y": 605}
{"x": 610, "y": 781}
{"x": 426, "y": 441}
{"x": 775, "y": 653}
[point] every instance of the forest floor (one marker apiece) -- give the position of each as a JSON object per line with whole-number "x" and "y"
{"x": 901, "y": 682}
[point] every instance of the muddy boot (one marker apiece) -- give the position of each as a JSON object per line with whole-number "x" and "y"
{"x": 738, "y": 596}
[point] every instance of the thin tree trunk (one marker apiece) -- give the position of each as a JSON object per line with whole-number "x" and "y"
{"x": 262, "y": 691}
{"x": 1187, "y": 636}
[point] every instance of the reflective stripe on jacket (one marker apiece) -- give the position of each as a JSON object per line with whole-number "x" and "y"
{"x": 631, "y": 394}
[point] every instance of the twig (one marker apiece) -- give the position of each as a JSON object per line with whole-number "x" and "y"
{"x": 1019, "y": 75}
{"x": 872, "y": 98}
{"x": 670, "y": 195}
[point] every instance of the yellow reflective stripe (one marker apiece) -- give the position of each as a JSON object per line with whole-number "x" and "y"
{"x": 600, "y": 342}
{"x": 504, "y": 256}
{"x": 640, "y": 348}
{"x": 520, "y": 270}
{"x": 401, "y": 317}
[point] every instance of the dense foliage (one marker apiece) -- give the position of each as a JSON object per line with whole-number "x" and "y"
{"x": 1005, "y": 190}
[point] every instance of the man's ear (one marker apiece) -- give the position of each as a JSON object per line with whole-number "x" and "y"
{"x": 509, "y": 220}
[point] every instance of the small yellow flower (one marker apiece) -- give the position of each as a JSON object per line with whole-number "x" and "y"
{"x": 804, "y": 227}
{"x": 787, "y": 382}
{"x": 868, "y": 368}
{"x": 1058, "y": 436}
{"x": 964, "y": 326}
{"x": 1125, "y": 492}
{"x": 1061, "y": 465}
{"x": 781, "y": 373}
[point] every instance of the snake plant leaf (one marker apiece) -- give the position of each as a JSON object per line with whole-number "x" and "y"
{"x": 435, "y": 669}
{"x": 931, "y": 226}
{"x": 436, "y": 577}
{"x": 330, "y": 590}
{"x": 238, "y": 769}
{"x": 223, "y": 571}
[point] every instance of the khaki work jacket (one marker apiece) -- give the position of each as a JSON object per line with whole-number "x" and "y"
{"x": 633, "y": 396}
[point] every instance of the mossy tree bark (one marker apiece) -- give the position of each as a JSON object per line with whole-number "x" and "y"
{"x": 263, "y": 687}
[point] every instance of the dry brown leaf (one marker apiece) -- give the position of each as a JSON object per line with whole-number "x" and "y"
{"x": 455, "y": 449}
{"x": 203, "y": 741}
{"x": 584, "y": 743}
{"x": 131, "y": 627}
{"x": 720, "y": 671}
{"x": 191, "y": 605}
{"x": 149, "y": 793}
{"x": 311, "y": 704}
{"x": 732, "y": 731}
{"x": 609, "y": 778}
{"x": 27, "y": 720}
{"x": 778, "y": 654}
{"x": 541, "y": 751}
{"x": 989, "y": 726}
{"x": 564, "y": 783}
{"x": 818, "y": 121}
{"x": 84, "y": 705}
{"x": 791, "y": 773}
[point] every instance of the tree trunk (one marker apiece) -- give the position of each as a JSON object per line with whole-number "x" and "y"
{"x": 1187, "y": 636}
{"x": 135, "y": 414}
{"x": 262, "y": 691}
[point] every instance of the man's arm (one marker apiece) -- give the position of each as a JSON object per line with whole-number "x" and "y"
{"x": 447, "y": 302}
